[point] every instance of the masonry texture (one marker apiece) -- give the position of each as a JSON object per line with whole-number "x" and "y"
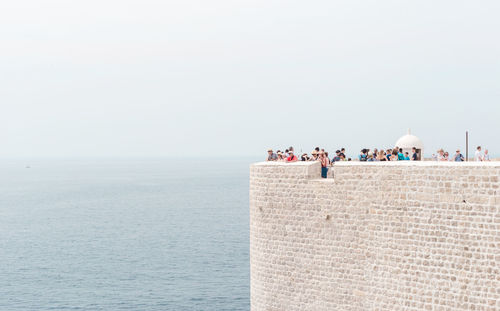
{"x": 379, "y": 236}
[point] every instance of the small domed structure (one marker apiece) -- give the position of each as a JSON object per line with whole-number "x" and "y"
{"x": 409, "y": 141}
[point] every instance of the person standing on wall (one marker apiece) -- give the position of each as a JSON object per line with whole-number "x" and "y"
{"x": 324, "y": 164}
{"x": 478, "y": 157}
{"x": 414, "y": 155}
{"x": 328, "y": 159}
{"x": 401, "y": 156}
{"x": 458, "y": 157}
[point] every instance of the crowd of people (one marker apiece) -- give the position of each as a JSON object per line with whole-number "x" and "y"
{"x": 367, "y": 155}
{"x": 316, "y": 155}
{"x": 479, "y": 156}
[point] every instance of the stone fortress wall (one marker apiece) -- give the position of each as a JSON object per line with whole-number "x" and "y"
{"x": 379, "y": 236}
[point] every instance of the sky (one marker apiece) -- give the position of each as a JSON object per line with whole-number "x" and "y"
{"x": 234, "y": 78}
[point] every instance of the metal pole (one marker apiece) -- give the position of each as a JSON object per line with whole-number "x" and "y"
{"x": 466, "y": 145}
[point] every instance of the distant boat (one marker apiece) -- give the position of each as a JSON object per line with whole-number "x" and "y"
{"x": 28, "y": 166}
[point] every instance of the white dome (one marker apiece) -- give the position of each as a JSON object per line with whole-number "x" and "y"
{"x": 409, "y": 141}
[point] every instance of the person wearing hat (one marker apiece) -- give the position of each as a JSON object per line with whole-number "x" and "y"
{"x": 314, "y": 155}
{"x": 271, "y": 156}
{"x": 291, "y": 157}
{"x": 280, "y": 157}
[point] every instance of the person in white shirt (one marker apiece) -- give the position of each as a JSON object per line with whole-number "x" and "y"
{"x": 478, "y": 157}
{"x": 441, "y": 155}
{"x": 486, "y": 156}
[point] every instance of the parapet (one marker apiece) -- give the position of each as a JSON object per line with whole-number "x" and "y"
{"x": 378, "y": 236}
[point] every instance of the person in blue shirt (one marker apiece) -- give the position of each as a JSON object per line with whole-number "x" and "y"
{"x": 337, "y": 156}
{"x": 401, "y": 156}
{"x": 388, "y": 154}
{"x": 407, "y": 156}
{"x": 458, "y": 156}
{"x": 363, "y": 155}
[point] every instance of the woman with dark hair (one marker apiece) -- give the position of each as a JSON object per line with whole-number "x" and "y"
{"x": 363, "y": 156}
{"x": 280, "y": 157}
{"x": 401, "y": 156}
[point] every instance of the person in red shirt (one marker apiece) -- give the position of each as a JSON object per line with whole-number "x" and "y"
{"x": 291, "y": 157}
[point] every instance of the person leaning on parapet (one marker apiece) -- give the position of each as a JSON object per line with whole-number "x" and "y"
{"x": 440, "y": 155}
{"x": 381, "y": 156}
{"x": 458, "y": 157}
{"x": 314, "y": 156}
{"x": 388, "y": 154}
{"x": 446, "y": 156}
{"x": 336, "y": 158}
{"x": 271, "y": 156}
{"x": 363, "y": 156}
{"x": 394, "y": 155}
{"x": 281, "y": 158}
{"x": 486, "y": 155}
{"x": 478, "y": 156}
{"x": 291, "y": 157}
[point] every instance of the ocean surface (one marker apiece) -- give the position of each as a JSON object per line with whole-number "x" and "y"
{"x": 124, "y": 234}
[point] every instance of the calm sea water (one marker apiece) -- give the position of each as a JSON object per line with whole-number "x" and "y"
{"x": 143, "y": 234}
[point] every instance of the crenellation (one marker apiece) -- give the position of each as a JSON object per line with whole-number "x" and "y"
{"x": 381, "y": 236}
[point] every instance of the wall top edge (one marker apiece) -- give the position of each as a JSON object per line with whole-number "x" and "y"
{"x": 298, "y": 163}
{"x": 391, "y": 163}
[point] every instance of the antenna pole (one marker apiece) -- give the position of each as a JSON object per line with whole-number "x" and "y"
{"x": 466, "y": 145}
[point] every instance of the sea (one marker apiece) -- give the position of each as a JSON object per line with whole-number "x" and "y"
{"x": 124, "y": 234}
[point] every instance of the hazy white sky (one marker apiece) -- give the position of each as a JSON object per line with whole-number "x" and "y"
{"x": 228, "y": 77}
